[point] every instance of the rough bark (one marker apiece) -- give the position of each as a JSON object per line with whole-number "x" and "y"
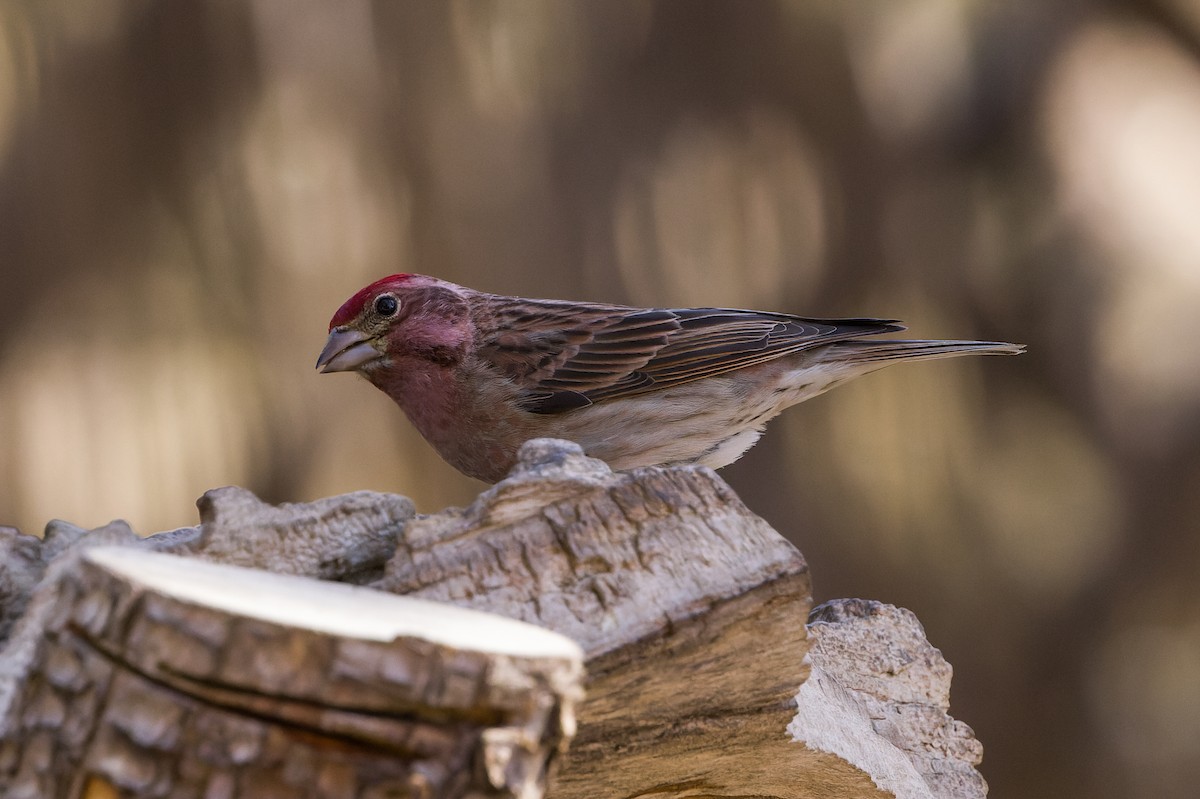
{"x": 879, "y": 696}
{"x": 346, "y": 538}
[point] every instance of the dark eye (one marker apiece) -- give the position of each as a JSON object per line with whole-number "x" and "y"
{"x": 386, "y": 305}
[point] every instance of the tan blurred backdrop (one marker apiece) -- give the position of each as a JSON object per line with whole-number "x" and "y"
{"x": 188, "y": 190}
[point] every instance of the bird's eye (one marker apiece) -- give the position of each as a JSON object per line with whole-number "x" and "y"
{"x": 386, "y": 305}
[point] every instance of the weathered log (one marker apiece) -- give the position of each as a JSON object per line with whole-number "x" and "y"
{"x": 160, "y": 676}
{"x": 691, "y": 611}
{"x": 347, "y": 538}
{"x": 690, "y": 608}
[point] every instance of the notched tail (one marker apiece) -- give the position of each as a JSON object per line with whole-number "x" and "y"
{"x": 873, "y": 351}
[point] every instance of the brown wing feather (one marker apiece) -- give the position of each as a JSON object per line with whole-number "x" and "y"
{"x": 714, "y": 341}
{"x": 567, "y": 355}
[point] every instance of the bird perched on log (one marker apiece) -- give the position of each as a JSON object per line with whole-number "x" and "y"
{"x": 480, "y": 374}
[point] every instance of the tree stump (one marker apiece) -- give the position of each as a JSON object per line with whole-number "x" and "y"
{"x": 690, "y": 611}
{"x": 160, "y": 676}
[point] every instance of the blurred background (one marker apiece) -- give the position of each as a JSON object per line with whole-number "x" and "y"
{"x": 189, "y": 190}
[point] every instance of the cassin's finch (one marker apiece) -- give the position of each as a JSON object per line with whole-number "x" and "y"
{"x": 480, "y": 374}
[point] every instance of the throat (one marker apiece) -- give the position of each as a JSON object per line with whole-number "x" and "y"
{"x": 428, "y": 394}
{"x": 475, "y": 432}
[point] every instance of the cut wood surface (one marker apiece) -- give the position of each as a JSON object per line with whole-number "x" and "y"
{"x": 690, "y": 611}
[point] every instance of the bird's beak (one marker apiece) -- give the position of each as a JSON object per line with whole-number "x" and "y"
{"x": 346, "y": 350}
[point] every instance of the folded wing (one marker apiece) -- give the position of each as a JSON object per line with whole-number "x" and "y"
{"x": 568, "y": 355}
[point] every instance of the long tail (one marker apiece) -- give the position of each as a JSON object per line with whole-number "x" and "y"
{"x": 857, "y": 351}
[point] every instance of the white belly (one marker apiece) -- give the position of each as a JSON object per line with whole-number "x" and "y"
{"x": 730, "y": 449}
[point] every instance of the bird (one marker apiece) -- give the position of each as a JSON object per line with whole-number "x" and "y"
{"x": 479, "y": 374}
